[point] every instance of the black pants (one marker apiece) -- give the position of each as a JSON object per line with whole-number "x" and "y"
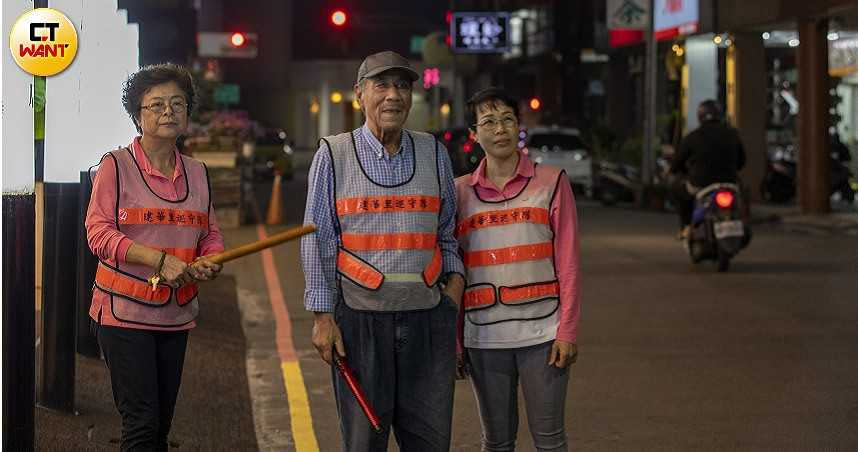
{"x": 406, "y": 364}
{"x": 145, "y": 373}
{"x": 684, "y": 201}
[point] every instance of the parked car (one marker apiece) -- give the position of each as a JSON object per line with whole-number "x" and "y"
{"x": 271, "y": 153}
{"x": 465, "y": 153}
{"x": 562, "y": 147}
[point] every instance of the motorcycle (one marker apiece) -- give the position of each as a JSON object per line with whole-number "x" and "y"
{"x": 718, "y": 231}
{"x": 779, "y": 180}
{"x": 615, "y": 182}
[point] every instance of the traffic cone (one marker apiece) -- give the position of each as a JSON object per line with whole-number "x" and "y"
{"x": 275, "y": 207}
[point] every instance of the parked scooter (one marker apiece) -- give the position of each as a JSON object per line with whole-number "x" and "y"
{"x": 718, "y": 230}
{"x": 779, "y": 181}
{"x": 615, "y": 182}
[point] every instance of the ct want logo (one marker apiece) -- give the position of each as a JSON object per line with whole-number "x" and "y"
{"x": 43, "y": 42}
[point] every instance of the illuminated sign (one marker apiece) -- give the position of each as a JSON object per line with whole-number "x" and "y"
{"x": 480, "y": 32}
{"x": 676, "y": 17}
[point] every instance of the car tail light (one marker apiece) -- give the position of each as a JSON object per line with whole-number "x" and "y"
{"x": 724, "y": 199}
{"x": 448, "y": 135}
{"x": 467, "y": 147}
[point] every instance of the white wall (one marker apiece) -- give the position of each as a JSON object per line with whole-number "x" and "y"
{"x": 16, "y": 123}
{"x": 84, "y": 117}
{"x": 701, "y": 56}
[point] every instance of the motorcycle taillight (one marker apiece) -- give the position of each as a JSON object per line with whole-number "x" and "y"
{"x": 724, "y": 199}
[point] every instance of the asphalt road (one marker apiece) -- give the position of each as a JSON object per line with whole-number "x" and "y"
{"x": 674, "y": 356}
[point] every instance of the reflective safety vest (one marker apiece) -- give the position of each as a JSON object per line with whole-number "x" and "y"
{"x": 509, "y": 255}
{"x": 175, "y": 227}
{"x": 388, "y": 258}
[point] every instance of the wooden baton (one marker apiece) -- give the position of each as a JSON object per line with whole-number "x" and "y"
{"x": 253, "y": 247}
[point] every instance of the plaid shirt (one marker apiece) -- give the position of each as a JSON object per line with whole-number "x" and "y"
{"x": 319, "y": 250}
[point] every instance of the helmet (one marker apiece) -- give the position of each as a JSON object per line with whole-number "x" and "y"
{"x": 709, "y": 110}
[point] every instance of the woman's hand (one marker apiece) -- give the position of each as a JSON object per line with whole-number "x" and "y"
{"x": 203, "y": 269}
{"x": 174, "y": 272}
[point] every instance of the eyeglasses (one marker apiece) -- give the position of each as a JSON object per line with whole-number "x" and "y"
{"x": 507, "y": 122}
{"x": 177, "y": 106}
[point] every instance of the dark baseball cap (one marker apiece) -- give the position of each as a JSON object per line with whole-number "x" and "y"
{"x": 384, "y": 61}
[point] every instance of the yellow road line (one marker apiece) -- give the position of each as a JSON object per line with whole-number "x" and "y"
{"x": 299, "y": 408}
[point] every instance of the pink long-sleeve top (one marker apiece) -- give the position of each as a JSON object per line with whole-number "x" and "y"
{"x": 564, "y": 222}
{"x": 107, "y": 242}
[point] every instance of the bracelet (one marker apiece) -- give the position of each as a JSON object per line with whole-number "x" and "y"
{"x": 160, "y": 263}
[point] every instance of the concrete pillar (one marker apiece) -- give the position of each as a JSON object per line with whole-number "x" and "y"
{"x": 813, "y": 98}
{"x": 747, "y": 104}
{"x": 701, "y": 56}
{"x": 325, "y": 109}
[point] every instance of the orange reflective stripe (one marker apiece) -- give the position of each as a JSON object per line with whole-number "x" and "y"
{"x": 186, "y": 293}
{"x": 385, "y": 204}
{"x": 127, "y": 286}
{"x": 376, "y": 242}
{"x": 516, "y": 295}
{"x": 358, "y": 271}
{"x": 433, "y": 270}
{"x": 172, "y": 217}
{"x": 502, "y": 218}
{"x": 479, "y": 297}
{"x": 509, "y": 255}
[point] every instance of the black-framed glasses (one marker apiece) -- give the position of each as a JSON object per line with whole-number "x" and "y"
{"x": 158, "y": 107}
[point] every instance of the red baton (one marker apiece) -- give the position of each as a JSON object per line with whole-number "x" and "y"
{"x": 354, "y": 386}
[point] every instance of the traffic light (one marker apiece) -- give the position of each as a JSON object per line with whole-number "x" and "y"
{"x": 237, "y": 40}
{"x": 339, "y": 18}
{"x": 238, "y": 44}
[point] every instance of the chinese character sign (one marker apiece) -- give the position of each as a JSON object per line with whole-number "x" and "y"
{"x": 480, "y": 32}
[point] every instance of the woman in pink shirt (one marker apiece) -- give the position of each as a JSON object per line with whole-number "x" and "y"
{"x": 517, "y": 229}
{"x": 151, "y": 225}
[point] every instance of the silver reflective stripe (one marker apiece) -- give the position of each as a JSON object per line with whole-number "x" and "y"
{"x": 403, "y": 277}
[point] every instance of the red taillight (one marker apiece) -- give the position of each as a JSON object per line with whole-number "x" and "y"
{"x": 467, "y": 146}
{"x": 724, "y": 199}
{"x": 448, "y": 135}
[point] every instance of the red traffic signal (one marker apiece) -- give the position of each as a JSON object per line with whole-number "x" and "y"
{"x": 237, "y": 39}
{"x": 339, "y": 18}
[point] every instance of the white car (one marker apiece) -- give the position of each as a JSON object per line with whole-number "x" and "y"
{"x": 562, "y": 147}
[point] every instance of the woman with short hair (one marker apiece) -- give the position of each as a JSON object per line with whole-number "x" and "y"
{"x": 151, "y": 224}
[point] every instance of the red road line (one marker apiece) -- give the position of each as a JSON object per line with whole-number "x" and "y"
{"x": 283, "y": 329}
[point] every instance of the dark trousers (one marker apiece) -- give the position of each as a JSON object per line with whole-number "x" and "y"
{"x": 406, "y": 364}
{"x": 684, "y": 202}
{"x": 145, "y": 373}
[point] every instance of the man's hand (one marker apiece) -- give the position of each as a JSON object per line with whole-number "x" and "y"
{"x": 462, "y": 366}
{"x": 326, "y": 335}
{"x": 455, "y": 288}
{"x": 562, "y": 354}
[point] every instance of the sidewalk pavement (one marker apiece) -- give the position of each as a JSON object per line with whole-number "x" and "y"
{"x": 843, "y": 220}
{"x": 213, "y": 411}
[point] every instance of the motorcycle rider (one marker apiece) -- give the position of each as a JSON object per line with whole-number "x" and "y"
{"x": 712, "y": 153}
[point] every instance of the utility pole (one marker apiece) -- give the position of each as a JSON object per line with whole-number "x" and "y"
{"x": 650, "y": 111}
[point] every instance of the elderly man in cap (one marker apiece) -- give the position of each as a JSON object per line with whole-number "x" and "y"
{"x": 382, "y": 272}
